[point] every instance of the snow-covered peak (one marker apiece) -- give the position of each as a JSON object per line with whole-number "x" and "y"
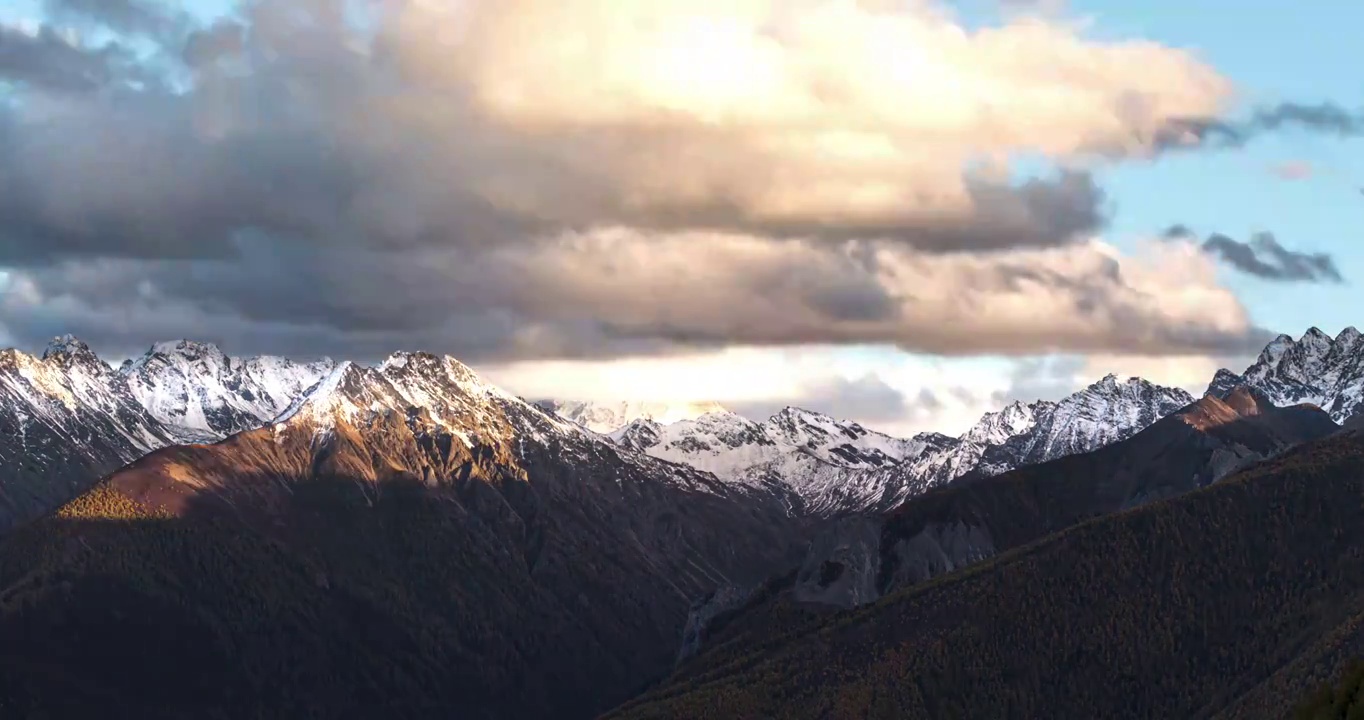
{"x": 203, "y": 394}
{"x": 807, "y": 452}
{"x": 188, "y": 349}
{"x": 68, "y": 350}
{"x": 1105, "y": 412}
{"x": 609, "y": 417}
{"x": 325, "y": 399}
{"x": 65, "y": 345}
{"x": 423, "y": 391}
{"x": 1275, "y": 350}
{"x": 640, "y": 435}
{"x": 1316, "y": 368}
{"x": 1014, "y": 419}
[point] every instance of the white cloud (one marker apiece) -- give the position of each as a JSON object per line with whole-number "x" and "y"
{"x": 522, "y": 179}
{"x": 1078, "y": 298}
{"x": 936, "y": 395}
{"x": 772, "y": 113}
{"x": 1190, "y": 372}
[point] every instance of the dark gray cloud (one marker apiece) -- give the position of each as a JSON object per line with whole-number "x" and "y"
{"x": 47, "y": 60}
{"x": 1323, "y": 118}
{"x": 1264, "y": 257}
{"x": 321, "y": 140}
{"x": 282, "y": 184}
{"x": 1046, "y": 378}
{"x": 224, "y": 39}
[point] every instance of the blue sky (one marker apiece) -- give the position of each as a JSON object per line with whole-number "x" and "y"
{"x": 1307, "y": 51}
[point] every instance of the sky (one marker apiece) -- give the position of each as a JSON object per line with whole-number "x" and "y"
{"x": 901, "y": 212}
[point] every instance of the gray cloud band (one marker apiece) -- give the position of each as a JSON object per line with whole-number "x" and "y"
{"x": 1324, "y": 118}
{"x": 1263, "y": 256}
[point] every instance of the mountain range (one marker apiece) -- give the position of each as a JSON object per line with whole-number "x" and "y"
{"x": 861, "y": 559}
{"x": 398, "y": 538}
{"x": 253, "y": 513}
{"x": 1235, "y": 601}
{"x": 1316, "y": 368}
{"x": 832, "y": 467}
{"x": 606, "y": 417}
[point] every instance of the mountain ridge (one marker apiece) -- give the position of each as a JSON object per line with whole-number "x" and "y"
{"x": 1315, "y": 368}
{"x": 511, "y": 563}
{"x": 1230, "y": 601}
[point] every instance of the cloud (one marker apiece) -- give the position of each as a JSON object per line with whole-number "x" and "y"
{"x": 1323, "y": 118}
{"x": 891, "y": 392}
{"x": 223, "y": 39}
{"x": 44, "y": 58}
{"x": 130, "y": 17}
{"x": 531, "y": 179}
{"x": 812, "y": 123}
{"x": 1056, "y": 376}
{"x": 627, "y": 292}
{"x": 1264, "y": 257}
{"x": 867, "y": 399}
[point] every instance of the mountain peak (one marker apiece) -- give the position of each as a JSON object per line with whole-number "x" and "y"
{"x": 608, "y": 418}
{"x": 1315, "y": 370}
{"x": 402, "y": 359}
{"x": 66, "y": 346}
{"x": 791, "y": 412}
{"x": 1315, "y": 341}
{"x": 1275, "y": 350}
{"x": 419, "y": 363}
{"x": 184, "y": 348}
{"x": 326, "y": 395}
{"x": 1111, "y": 383}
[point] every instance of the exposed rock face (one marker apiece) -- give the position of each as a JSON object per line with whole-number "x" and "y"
{"x": 859, "y": 560}
{"x": 725, "y": 599}
{"x": 841, "y": 565}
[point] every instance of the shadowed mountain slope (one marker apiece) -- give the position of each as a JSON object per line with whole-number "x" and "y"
{"x": 405, "y": 541}
{"x": 977, "y": 517}
{"x": 1232, "y": 601}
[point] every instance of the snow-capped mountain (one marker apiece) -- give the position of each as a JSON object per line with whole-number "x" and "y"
{"x": 729, "y": 445}
{"x": 795, "y": 452}
{"x": 608, "y": 417}
{"x": 65, "y": 419}
{"x": 421, "y": 496}
{"x": 1103, "y": 413}
{"x": 839, "y": 466}
{"x": 1318, "y": 369}
{"x": 203, "y": 395}
{"x": 1025, "y": 434}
